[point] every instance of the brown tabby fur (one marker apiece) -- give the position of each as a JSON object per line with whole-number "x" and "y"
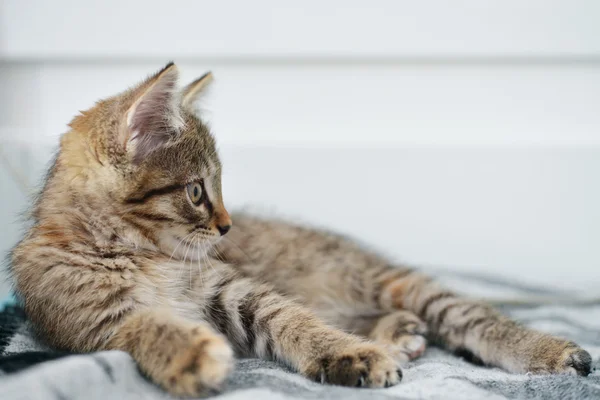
{"x": 119, "y": 257}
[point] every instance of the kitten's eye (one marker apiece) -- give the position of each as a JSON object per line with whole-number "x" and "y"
{"x": 195, "y": 192}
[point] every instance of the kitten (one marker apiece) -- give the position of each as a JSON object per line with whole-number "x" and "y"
{"x": 121, "y": 255}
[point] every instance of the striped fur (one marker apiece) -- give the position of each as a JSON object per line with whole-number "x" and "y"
{"x": 362, "y": 292}
{"x": 119, "y": 257}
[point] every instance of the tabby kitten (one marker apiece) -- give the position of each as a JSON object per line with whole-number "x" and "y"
{"x": 121, "y": 255}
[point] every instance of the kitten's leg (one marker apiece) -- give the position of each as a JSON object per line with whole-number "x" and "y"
{"x": 328, "y": 272}
{"x": 464, "y": 325}
{"x": 258, "y": 321}
{"x": 186, "y": 358}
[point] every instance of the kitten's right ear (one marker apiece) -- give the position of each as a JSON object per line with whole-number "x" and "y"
{"x": 154, "y": 115}
{"x": 194, "y": 90}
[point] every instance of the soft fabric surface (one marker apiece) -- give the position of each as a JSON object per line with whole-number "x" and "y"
{"x": 32, "y": 371}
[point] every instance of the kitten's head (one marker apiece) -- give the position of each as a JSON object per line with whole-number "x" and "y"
{"x": 144, "y": 157}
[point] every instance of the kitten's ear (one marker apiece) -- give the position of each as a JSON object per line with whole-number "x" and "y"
{"x": 194, "y": 91}
{"x": 154, "y": 116}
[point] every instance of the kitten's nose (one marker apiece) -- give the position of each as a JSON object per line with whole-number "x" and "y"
{"x": 222, "y": 221}
{"x": 223, "y": 229}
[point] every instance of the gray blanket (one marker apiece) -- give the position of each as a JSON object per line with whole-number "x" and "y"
{"x": 436, "y": 375}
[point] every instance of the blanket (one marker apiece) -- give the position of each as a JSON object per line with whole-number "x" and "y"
{"x": 30, "y": 370}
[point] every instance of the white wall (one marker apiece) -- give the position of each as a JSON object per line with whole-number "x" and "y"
{"x": 271, "y": 29}
{"x": 461, "y": 134}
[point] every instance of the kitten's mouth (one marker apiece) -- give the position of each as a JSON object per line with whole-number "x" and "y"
{"x": 197, "y": 241}
{"x": 186, "y": 247}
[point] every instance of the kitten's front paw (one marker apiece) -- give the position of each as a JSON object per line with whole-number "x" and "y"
{"x": 200, "y": 367}
{"x": 555, "y": 356}
{"x": 358, "y": 365}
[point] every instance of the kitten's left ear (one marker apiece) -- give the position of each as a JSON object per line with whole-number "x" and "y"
{"x": 194, "y": 91}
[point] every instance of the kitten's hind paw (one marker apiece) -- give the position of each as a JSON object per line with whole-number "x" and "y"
{"x": 402, "y": 333}
{"x": 578, "y": 361}
{"x": 555, "y": 356}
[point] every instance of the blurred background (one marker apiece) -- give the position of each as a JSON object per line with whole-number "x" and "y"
{"x": 459, "y": 135}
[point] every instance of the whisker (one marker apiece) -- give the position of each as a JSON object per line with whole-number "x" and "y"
{"x": 238, "y": 247}
{"x": 189, "y": 245}
{"x": 178, "y": 244}
{"x": 200, "y": 271}
{"x": 217, "y": 253}
{"x": 210, "y": 264}
{"x": 187, "y": 249}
